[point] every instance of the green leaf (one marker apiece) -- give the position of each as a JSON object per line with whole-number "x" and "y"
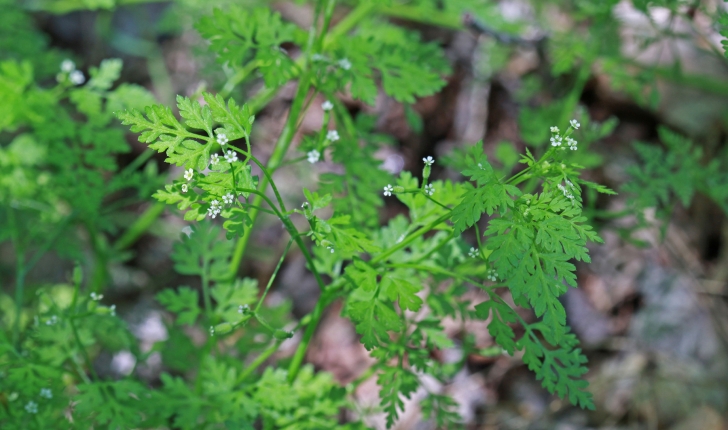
{"x": 395, "y": 288}
{"x": 560, "y": 369}
{"x": 396, "y": 383}
{"x": 373, "y": 320}
{"x": 498, "y": 327}
{"x": 183, "y": 302}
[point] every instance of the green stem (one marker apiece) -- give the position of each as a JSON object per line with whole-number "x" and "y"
{"x": 273, "y": 276}
{"x": 206, "y": 288}
{"x": 140, "y": 226}
{"x": 260, "y": 359}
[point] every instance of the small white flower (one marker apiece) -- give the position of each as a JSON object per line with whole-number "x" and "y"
{"x": 566, "y": 192}
{"x": 313, "y": 156}
{"x": 574, "y": 124}
{"x": 568, "y": 182}
{"x": 345, "y": 64}
{"x": 214, "y": 159}
{"x": 554, "y": 129}
{"x": 113, "y": 310}
{"x": 332, "y": 135}
{"x": 189, "y": 173}
{"x": 214, "y": 209}
{"x": 76, "y": 77}
{"x": 388, "y": 190}
{"x": 572, "y": 143}
{"x": 212, "y": 331}
{"x": 68, "y": 66}
{"x": 96, "y": 297}
{"x": 231, "y": 156}
{"x": 184, "y": 188}
{"x": 228, "y": 198}
{"x": 31, "y": 407}
{"x": 330, "y": 248}
{"x": 242, "y": 309}
{"x": 473, "y": 252}
{"x": 327, "y": 106}
{"x": 430, "y": 161}
{"x": 52, "y": 320}
{"x": 304, "y": 204}
{"x": 556, "y": 140}
{"x": 221, "y": 138}
{"x": 492, "y": 275}
{"x": 46, "y": 392}
{"x": 429, "y": 189}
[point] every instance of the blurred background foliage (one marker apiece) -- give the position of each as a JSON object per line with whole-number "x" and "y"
{"x": 648, "y": 78}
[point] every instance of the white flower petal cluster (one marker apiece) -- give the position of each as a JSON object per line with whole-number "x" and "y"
{"x": 474, "y": 252}
{"x": 332, "y": 135}
{"x": 214, "y": 159}
{"x": 231, "y": 156}
{"x": 222, "y": 138}
{"x": 96, "y": 297}
{"x": 571, "y": 143}
{"x": 46, "y": 393}
{"x": 388, "y": 190}
{"x": 574, "y": 124}
{"x": 228, "y": 198}
{"x": 556, "y": 140}
{"x": 554, "y": 129}
{"x": 327, "y": 106}
{"x": 214, "y": 209}
{"x": 566, "y": 191}
{"x": 429, "y": 160}
{"x": 313, "y": 156}
{"x": 492, "y": 275}
{"x": 345, "y": 64}
{"x": 31, "y": 407}
{"x": 429, "y": 189}
{"x": 68, "y": 66}
{"x": 76, "y": 77}
{"x": 189, "y": 174}
{"x": 330, "y": 248}
{"x": 184, "y": 188}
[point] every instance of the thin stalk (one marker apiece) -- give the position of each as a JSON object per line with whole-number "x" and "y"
{"x": 260, "y": 359}
{"x": 206, "y": 287}
{"x": 140, "y": 226}
{"x": 273, "y": 276}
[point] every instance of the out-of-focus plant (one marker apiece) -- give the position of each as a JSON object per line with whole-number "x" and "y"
{"x": 398, "y": 281}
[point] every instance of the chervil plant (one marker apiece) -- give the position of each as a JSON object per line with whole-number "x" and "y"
{"x": 497, "y": 245}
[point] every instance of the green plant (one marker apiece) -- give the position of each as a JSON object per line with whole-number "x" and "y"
{"x": 398, "y": 281}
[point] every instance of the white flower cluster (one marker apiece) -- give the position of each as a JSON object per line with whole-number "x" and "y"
{"x": 429, "y": 189}
{"x": 473, "y": 252}
{"x": 345, "y": 64}
{"x": 231, "y": 156}
{"x": 214, "y": 209}
{"x": 313, "y": 156}
{"x": 388, "y": 190}
{"x": 96, "y": 297}
{"x": 330, "y": 248}
{"x": 75, "y": 76}
{"x": 31, "y": 407}
{"x": 228, "y": 198}
{"x": 327, "y": 106}
{"x": 242, "y": 309}
{"x": 332, "y": 135}
{"x": 566, "y": 191}
{"x": 429, "y": 160}
{"x": 492, "y": 275}
{"x": 52, "y": 320}
{"x": 557, "y": 139}
{"x": 112, "y": 308}
{"x": 214, "y": 159}
{"x": 46, "y": 393}
{"x": 184, "y": 188}
{"x": 222, "y": 138}
{"x": 189, "y": 174}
